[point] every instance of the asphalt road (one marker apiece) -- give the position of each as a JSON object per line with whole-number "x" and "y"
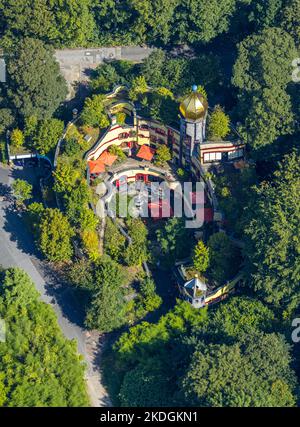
{"x": 17, "y": 250}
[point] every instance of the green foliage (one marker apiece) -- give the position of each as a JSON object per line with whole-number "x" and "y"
{"x": 30, "y": 127}
{"x": 117, "y": 151}
{"x": 17, "y": 138}
{"x": 262, "y": 72}
{"x": 106, "y": 309}
{"x": 206, "y": 20}
{"x": 22, "y": 190}
{"x": 7, "y": 119}
{"x": 138, "y": 87}
{"x": 273, "y": 243}
{"x": 218, "y": 126}
{"x": 47, "y": 135}
{"x": 236, "y": 317}
{"x": 66, "y": 22}
{"x": 162, "y": 155}
{"x": 224, "y": 258}
{"x": 290, "y": 18}
{"x": 105, "y": 78}
{"x": 148, "y": 300}
{"x": 33, "y": 214}
{"x": 265, "y": 13}
{"x": 254, "y": 372}
{"x": 76, "y": 203}
{"x": 39, "y": 366}
{"x": 36, "y": 87}
{"x": 201, "y": 257}
{"x": 65, "y": 178}
{"x": 55, "y": 235}
{"x": 72, "y": 147}
{"x": 174, "y": 240}
{"x": 80, "y": 274}
{"x": 88, "y": 220}
{"x": 136, "y": 252}
{"x": 114, "y": 241}
{"x": 93, "y": 113}
{"x": 90, "y": 243}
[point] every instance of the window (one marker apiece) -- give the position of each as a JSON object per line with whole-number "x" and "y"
{"x": 212, "y": 157}
{"x": 236, "y": 154}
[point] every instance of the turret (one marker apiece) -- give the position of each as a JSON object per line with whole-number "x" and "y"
{"x": 193, "y": 113}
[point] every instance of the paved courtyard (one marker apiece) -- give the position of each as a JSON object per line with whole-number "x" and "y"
{"x": 76, "y": 64}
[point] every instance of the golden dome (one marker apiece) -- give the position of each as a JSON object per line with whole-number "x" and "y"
{"x": 194, "y": 106}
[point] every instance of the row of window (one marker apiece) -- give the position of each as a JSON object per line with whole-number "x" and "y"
{"x": 215, "y": 157}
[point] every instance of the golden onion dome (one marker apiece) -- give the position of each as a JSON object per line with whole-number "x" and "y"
{"x": 194, "y": 106}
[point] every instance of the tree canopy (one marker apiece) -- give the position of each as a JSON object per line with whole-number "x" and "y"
{"x": 36, "y": 86}
{"x": 39, "y": 366}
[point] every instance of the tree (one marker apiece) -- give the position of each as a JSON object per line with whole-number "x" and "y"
{"x": 36, "y": 86}
{"x": 273, "y": 241}
{"x": 138, "y": 87}
{"x": 76, "y": 202}
{"x": 224, "y": 258}
{"x": 218, "y": 126}
{"x": 63, "y": 23}
{"x": 30, "y": 127}
{"x": 203, "y": 21}
{"x": 163, "y": 155}
{"x": 136, "y": 252}
{"x": 17, "y": 138}
{"x": 7, "y": 119}
{"x": 90, "y": 242}
{"x": 22, "y": 190}
{"x": 290, "y": 19}
{"x": 254, "y": 372}
{"x": 114, "y": 241}
{"x": 33, "y": 214}
{"x": 148, "y": 300}
{"x": 265, "y": 13}
{"x": 106, "y": 310}
{"x": 201, "y": 257}
{"x": 262, "y": 72}
{"x": 55, "y": 236}
{"x": 93, "y": 113}
{"x": 174, "y": 240}
{"x": 65, "y": 178}
{"x": 88, "y": 220}
{"x": 39, "y": 366}
{"x": 269, "y": 117}
{"x": 105, "y": 78}
{"x": 47, "y": 136}
{"x": 145, "y": 386}
{"x": 238, "y": 317}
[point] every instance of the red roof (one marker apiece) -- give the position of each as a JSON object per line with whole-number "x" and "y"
{"x": 146, "y": 153}
{"x": 96, "y": 166}
{"x": 107, "y": 158}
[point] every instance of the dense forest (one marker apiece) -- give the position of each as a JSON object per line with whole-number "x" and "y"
{"x": 239, "y": 353}
{"x": 38, "y": 366}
